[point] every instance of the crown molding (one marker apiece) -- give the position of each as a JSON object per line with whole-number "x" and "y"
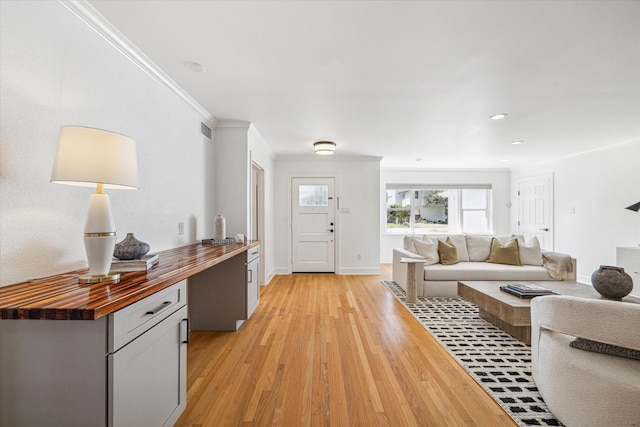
{"x": 98, "y": 23}
{"x": 234, "y": 124}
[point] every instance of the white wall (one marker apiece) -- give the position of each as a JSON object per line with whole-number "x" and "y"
{"x": 498, "y": 178}
{"x": 237, "y": 144}
{"x": 56, "y": 71}
{"x": 357, "y": 186}
{"x": 261, "y": 154}
{"x": 597, "y": 186}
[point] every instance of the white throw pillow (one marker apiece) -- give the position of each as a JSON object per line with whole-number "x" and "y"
{"x": 428, "y": 250}
{"x": 479, "y": 247}
{"x": 407, "y": 244}
{"x": 530, "y": 252}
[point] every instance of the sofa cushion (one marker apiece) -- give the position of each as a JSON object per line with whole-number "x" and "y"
{"x": 428, "y": 250}
{"x": 447, "y": 252}
{"x": 484, "y": 271}
{"x": 479, "y": 246}
{"x": 530, "y": 252}
{"x": 458, "y": 240}
{"x": 504, "y": 254}
{"x": 408, "y": 245}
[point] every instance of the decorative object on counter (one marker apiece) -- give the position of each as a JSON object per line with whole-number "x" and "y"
{"x": 93, "y": 157}
{"x": 241, "y": 238}
{"x": 227, "y": 241}
{"x": 219, "y": 228}
{"x": 142, "y": 264}
{"x": 130, "y": 248}
{"x": 612, "y": 282}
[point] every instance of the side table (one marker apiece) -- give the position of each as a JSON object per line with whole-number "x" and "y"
{"x": 412, "y": 297}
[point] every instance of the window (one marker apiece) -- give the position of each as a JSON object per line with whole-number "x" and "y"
{"x": 313, "y": 195}
{"x": 414, "y": 209}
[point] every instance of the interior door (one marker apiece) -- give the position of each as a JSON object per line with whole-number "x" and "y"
{"x": 313, "y": 225}
{"x": 535, "y": 209}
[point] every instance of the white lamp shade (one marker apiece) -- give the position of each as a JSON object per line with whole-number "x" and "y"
{"x": 88, "y": 156}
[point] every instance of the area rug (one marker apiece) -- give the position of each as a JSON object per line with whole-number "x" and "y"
{"x": 494, "y": 359}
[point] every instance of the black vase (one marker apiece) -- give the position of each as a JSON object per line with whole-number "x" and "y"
{"x": 130, "y": 248}
{"x": 612, "y": 282}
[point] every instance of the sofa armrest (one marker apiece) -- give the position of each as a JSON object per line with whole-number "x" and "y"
{"x": 606, "y": 321}
{"x": 400, "y": 269}
{"x": 560, "y": 266}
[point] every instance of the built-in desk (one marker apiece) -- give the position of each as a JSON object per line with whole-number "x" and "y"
{"x": 115, "y": 354}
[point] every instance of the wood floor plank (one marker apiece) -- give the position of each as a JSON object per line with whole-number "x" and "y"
{"x": 330, "y": 350}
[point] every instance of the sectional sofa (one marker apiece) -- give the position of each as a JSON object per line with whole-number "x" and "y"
{"x": 473, "y": 252}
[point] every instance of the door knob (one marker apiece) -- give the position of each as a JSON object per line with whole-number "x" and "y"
{"x": 544, "y": 229}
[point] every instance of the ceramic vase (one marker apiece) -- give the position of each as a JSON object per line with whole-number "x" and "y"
{"x": 219, "y": 228}
{"x": 130, "y": 248}
{"x": 612, "y": 282}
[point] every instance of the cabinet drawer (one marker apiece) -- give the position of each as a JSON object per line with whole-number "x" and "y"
{"x": 132, "y": 321}
{"x": 253, "y": 253}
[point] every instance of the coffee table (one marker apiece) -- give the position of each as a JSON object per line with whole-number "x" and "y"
{"x": 513, "y": 314}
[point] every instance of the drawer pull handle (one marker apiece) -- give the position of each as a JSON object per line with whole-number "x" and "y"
{"x": 160, "y": 307}
{"x": 188, "y": 330}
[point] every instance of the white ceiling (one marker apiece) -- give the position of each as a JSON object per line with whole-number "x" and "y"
{"x": 405, "y": 80}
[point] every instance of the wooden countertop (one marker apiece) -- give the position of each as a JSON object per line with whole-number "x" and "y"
{"x": 61, "y": 297}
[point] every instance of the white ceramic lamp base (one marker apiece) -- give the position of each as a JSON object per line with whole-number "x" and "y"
{"x": 99, "y": 240}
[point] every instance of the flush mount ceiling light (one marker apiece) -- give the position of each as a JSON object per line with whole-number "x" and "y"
{"x": 498, "y": 116}
{"x": 324, "y": 148}
{"x": 194, "y": 66}
{"x": 516, "y": 142}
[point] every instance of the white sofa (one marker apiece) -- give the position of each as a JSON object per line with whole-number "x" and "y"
{"x": 437, "y": 279}
{"x": 584, "y": 388}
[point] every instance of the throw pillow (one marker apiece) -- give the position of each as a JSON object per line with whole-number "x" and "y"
{"x": 530, "y": 252}
{"x": 407, "y": 244}
{"x": 600, "y": 347}
{"x": 504, "y": 254}
{"x": 428, "y": 250}
{"x": 447, "y": 252}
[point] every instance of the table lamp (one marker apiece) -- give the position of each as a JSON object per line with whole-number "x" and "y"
{"x": 93, "y": 157}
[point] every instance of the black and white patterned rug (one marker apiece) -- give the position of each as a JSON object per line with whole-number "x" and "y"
{"x": 494, "y": 359}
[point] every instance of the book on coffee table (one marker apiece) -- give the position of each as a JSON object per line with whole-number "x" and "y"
{"x": 523, "y": 290}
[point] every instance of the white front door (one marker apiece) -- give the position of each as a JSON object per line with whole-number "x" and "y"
{"x": 313, "y": 225}
{"x": 535, "y": 209}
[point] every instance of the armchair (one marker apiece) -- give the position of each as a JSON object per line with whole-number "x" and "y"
{"x": 583, "y": 388}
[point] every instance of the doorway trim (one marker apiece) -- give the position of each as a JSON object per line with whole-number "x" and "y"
{"x": 257, "y": 211}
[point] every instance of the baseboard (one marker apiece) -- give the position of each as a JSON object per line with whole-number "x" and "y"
{"x": 583, "y": 279}
{"x": 269, "y": 278}
{"x": 358, "y": 271}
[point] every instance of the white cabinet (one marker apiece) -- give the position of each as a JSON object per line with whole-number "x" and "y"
{"x": 124, "y": 369}
{"x": 147, "y": 363}
{"x": 253, "y": 279}
{"x": 629, "y": 259}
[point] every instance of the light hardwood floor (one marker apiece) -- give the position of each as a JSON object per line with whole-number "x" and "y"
{"x": 330, "y": 350}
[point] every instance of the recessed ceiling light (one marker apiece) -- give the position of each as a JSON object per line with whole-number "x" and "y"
{"x": 498, "y": 116}
{"x": 516, "y": 142}
{"x": 194, "y": 66}
{"x": 504, "y": 160}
